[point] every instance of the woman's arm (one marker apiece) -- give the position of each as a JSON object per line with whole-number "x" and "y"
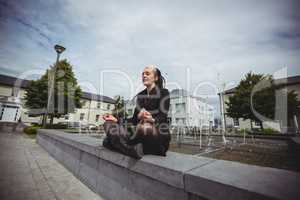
{"x": 134, "y": 119}
{"x": 164, "y": 105}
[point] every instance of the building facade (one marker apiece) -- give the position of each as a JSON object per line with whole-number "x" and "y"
{"x": 281, "y": 122}
{"x": 12, "y": 93}
{"x": 185, "y": 110}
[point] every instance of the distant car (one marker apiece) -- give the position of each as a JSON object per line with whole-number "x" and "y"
{"x": 82, "y": 125}
{"x": 93, "y": 127}
{"x": 75, "y": 125}
{"x": 86, "y": 126}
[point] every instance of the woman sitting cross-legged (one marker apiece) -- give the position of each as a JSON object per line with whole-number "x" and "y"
{"x": 151, "y": 135}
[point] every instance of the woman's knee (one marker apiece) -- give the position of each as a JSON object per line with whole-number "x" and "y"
{"x": 110, "y": 127}
{"x": 146, "y": 129}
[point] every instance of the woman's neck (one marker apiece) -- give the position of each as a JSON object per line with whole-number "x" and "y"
{"x": 150, "y": 87}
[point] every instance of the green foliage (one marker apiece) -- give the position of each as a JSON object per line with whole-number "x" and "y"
{"x": 119, "y": 110}
{"x": 263, "y": 99}
{"x": 269, "y": 131}
{"x": 31, "y": 130}
{"x": 66, "y": 96}
{"x": 36, "y": 96}
{"x": 239, "y": 105}
{"x": 242, "y": 130}
{"x": 56, "y": 126}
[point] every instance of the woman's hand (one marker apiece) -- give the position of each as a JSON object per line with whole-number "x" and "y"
{"x": 109, "y": 117}
{"x": 141, "y": 114}
{"x": 145, "y": 116}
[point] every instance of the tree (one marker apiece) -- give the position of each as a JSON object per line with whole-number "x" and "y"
{"x": 261, "y": 90}
{"x": 66, "y": 96}
{"x": 119, "y": 111}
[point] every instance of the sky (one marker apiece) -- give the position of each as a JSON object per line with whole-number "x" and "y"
{"x": 198, "y": 45}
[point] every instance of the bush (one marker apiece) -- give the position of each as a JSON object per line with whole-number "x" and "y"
{"x": 35, "y": 124}
{"x": 31, "y": 130}
{"x": 265, "y": 131}
{"x": 56, "y": 126}
{"x": 269, "y": 131}
{"x": 242, "y": 130}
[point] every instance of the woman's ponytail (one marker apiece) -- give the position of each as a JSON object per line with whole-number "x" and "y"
{"x": 160, "y": 79}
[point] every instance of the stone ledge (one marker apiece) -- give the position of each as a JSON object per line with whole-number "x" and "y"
{"x": 185, "y": 175}
{"x": 242, "y": 181}
{"x": 294, "y": 144}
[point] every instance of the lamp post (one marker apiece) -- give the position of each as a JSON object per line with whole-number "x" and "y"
{"x": 51, "y": 82}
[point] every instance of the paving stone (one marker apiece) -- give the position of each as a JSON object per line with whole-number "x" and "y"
{"x": 28, "y": 172}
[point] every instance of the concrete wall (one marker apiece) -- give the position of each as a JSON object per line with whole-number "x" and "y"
{"x": 176, "y": 176}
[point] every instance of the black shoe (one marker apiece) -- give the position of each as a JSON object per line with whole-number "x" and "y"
{"x": 139, "y": 150}
{"x": 106, "y": 143}
{"x": 120, "y": 144}
{"x": 134, "y": 151}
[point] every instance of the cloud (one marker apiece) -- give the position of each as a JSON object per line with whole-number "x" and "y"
{"x": 229, "y": 38}
{"x": 32, "y": 27}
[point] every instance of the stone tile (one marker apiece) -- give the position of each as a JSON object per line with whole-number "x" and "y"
{"x": 47, "y": 195}
{"x": 24, "y": 195}
{"x": 28, "y": 172}
{"x": 71, "y": 188}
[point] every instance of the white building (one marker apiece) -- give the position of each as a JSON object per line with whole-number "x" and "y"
{"x": 12, "y": 93}
{"x": 188, "y": 110}
{"x": 185, "y": 110}
{"x": 10, "y": 109}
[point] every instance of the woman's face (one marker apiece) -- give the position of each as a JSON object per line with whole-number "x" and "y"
{"x": 148, "y": 76}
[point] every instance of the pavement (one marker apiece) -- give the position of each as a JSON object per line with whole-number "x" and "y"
{"x": 28, "y": 172}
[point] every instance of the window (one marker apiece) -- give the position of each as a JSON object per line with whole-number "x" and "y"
{"x": 180, "y": 121}
{"x": 108, "y": 106}
{"x": 81, "y": 116}
{"x": 83, "y": 102}
{"x": 97, "y": 118}
{"x": 99, "y": 105}
{"x": 129, "y": 111}
{"x": 14, "y": 92}
{"x": 180, "y": 107}
{"x": 257, "y": 123}
{"x": 236, "y": 122}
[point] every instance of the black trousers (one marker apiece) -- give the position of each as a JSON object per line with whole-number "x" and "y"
{"x": 156, "y": 145}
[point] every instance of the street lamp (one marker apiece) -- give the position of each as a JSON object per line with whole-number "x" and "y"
{"x": 51, "y": 81}
{"x": 59, "y": 49}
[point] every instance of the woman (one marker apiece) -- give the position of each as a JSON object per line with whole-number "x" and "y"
{"x": 152, "y": 134}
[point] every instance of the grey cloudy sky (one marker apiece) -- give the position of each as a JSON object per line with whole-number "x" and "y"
{"x": 194, "y": 38}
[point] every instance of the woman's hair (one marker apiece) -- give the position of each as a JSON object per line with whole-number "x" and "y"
{"x": 160, "y": 79}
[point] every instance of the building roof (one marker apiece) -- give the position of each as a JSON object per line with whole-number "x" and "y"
{"x": 97, "y": 97}
{"x": 175, "y": 93}
{"x": 292, "y": 80}
{"x": 230, "y": 91}
{"x": 12, "y": 81}
{"x": 179, "y": 92}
